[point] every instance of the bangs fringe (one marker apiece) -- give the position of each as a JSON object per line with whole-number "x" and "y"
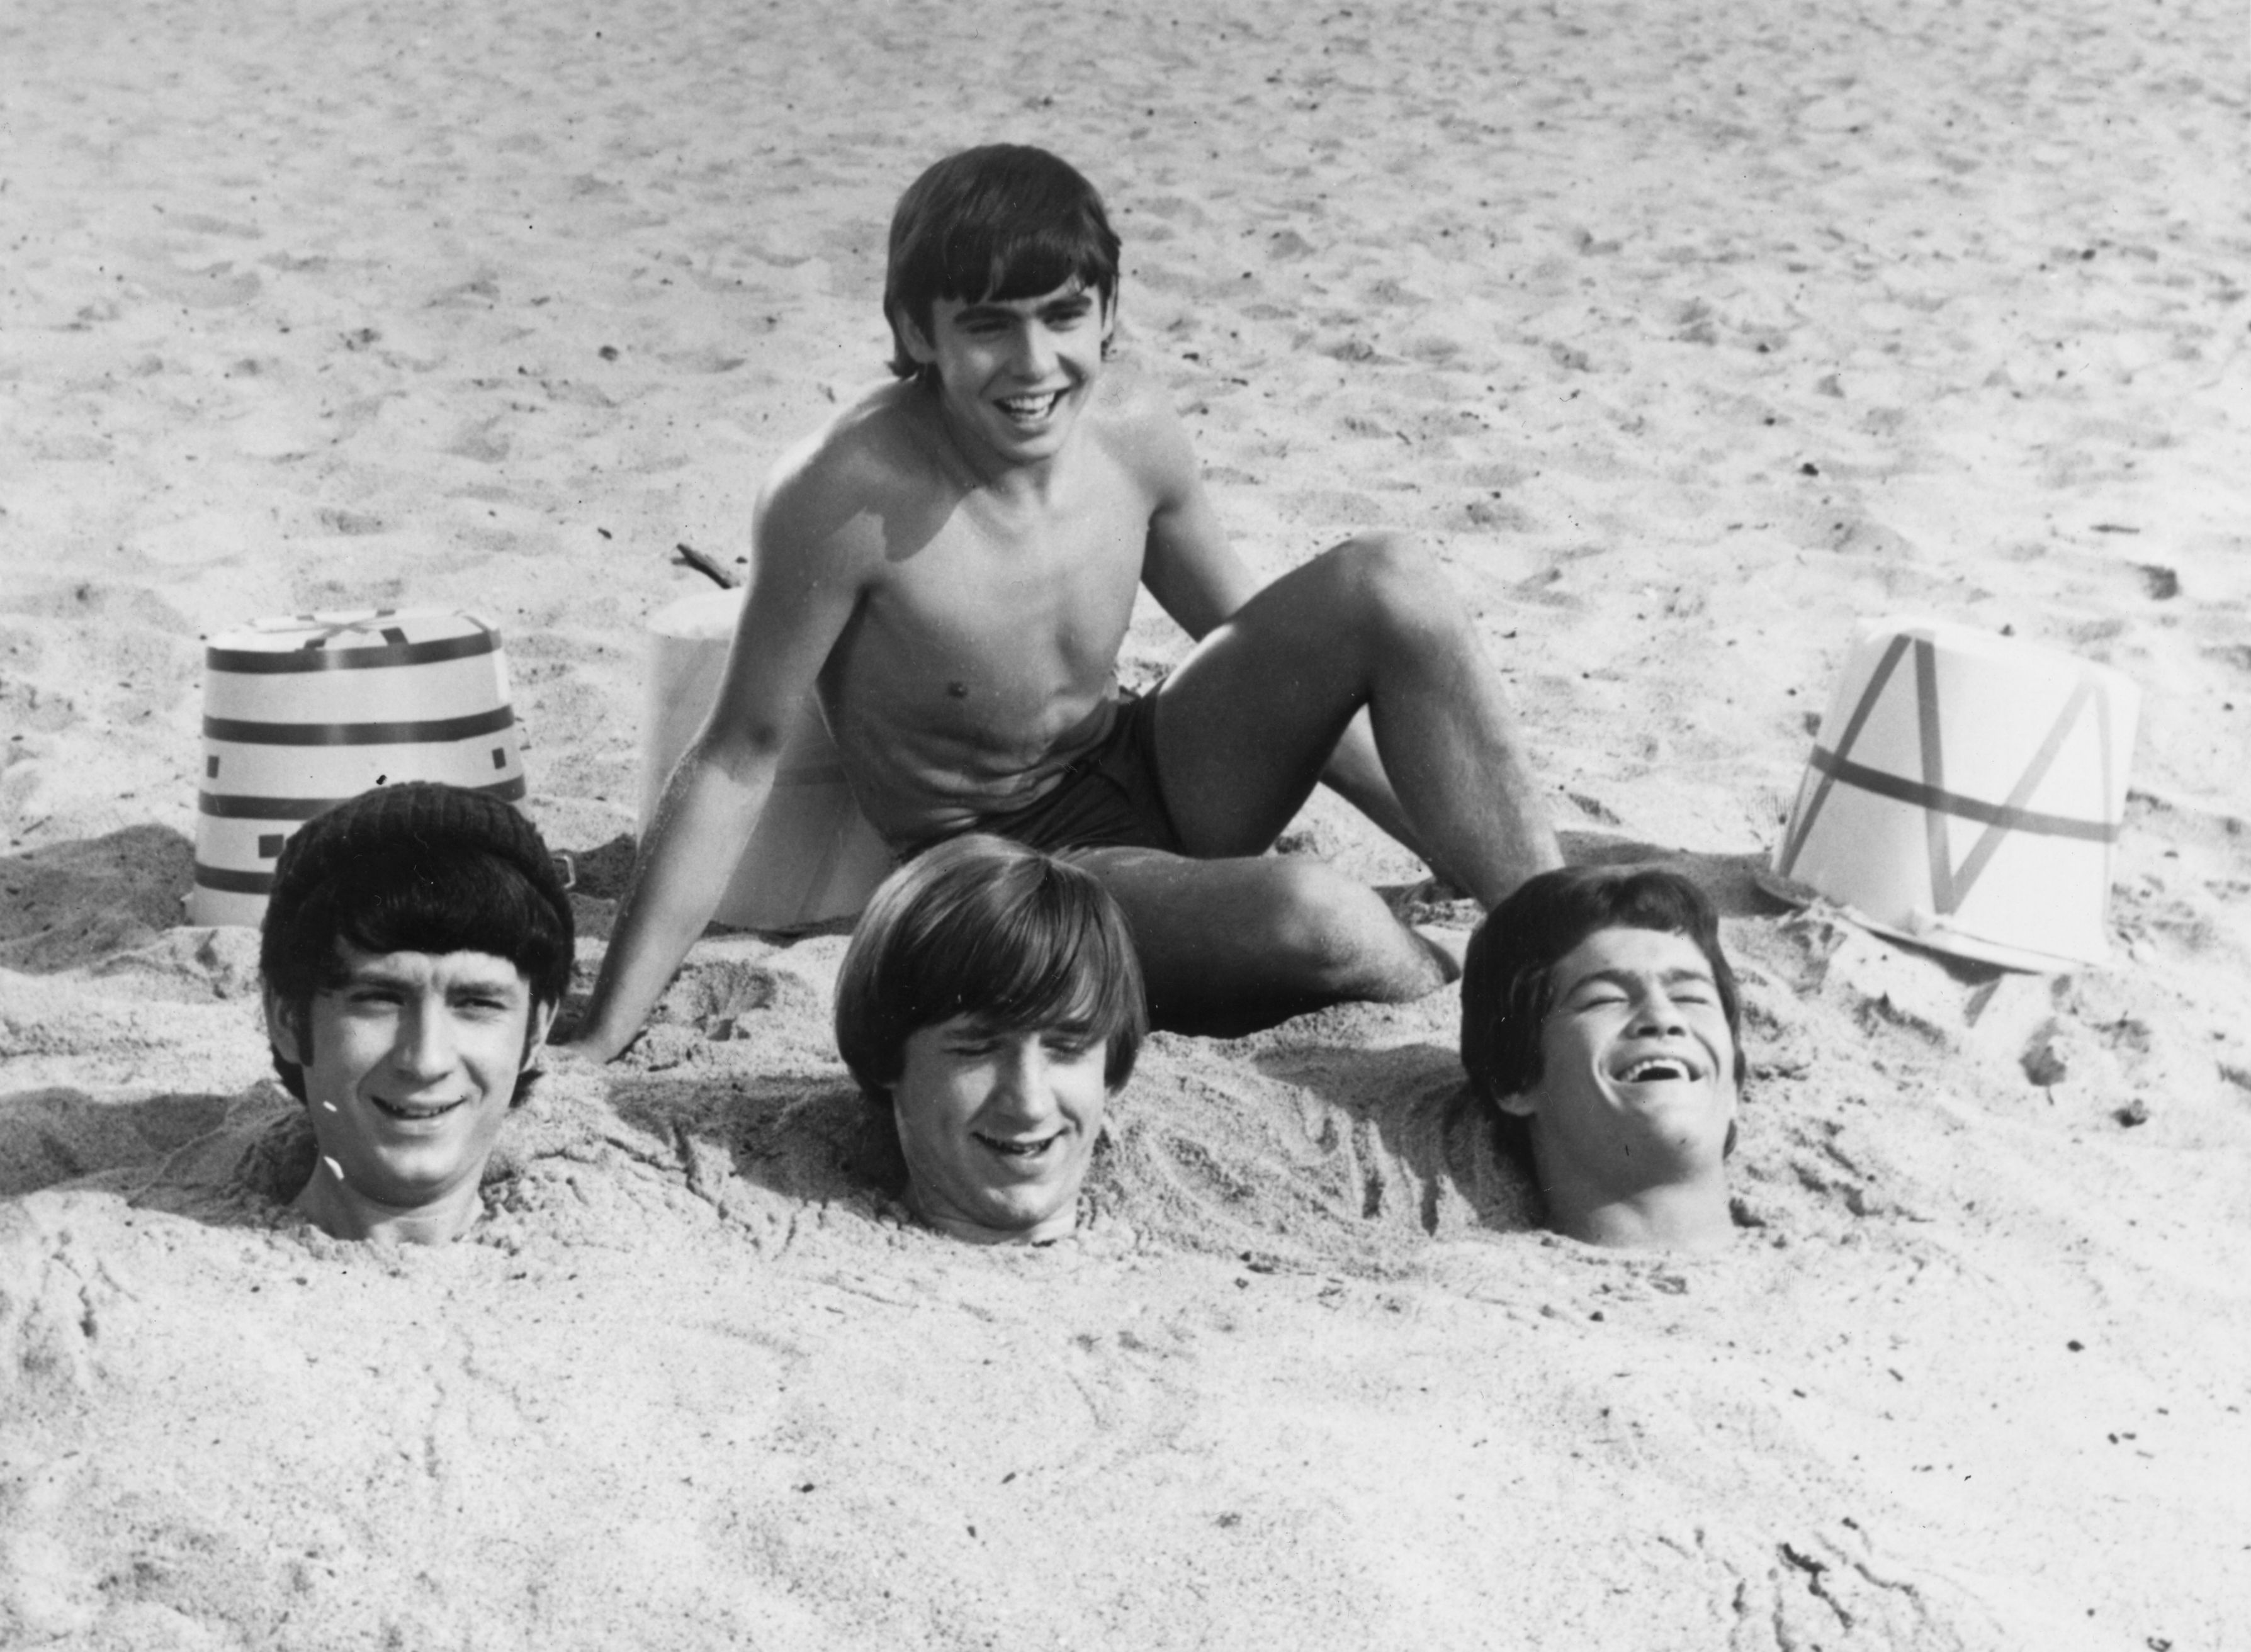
{"x": 1029, "y": 263}
{"x": 457, "y": 903}
{"x": 1047, "y": 960}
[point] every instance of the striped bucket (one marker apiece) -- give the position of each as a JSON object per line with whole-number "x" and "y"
{"x": 814, "y": 857}
{"x": 1966, "y": 792}
{"x": 302, "y": 713}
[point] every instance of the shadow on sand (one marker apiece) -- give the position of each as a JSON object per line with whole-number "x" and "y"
{"x": 68, "y": 904}
{"x": 1736, "y": 885}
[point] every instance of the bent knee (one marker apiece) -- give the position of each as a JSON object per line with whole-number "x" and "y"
{"x": 1338, "y": 937}
{"x": 1393, "y": 579}
{"x": 1382, "y": 558}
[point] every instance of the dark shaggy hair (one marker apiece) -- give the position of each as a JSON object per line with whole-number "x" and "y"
{"x": 1013, "y": 939}
{"x": 1508, "y": 984}
{"x": 1003, "y": 221}
{"x": 407, "y": 900}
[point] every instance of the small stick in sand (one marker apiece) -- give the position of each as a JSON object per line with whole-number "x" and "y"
{"x": 688, "y": 557}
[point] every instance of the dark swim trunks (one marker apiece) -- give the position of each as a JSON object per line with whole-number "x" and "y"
{"x": 1109, "y": 798}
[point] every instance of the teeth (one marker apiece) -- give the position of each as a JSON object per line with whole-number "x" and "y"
{"x": 398, "y": 1110}
{"x": 1657, "y": 1067}
{"x": 1018, "y": 1149}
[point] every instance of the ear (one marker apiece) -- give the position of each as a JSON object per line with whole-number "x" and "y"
{"x": 534, "y": 1035}
{"x": 911, "y": 335}
{"x": 281, "y": 1028}
{"x": 1523, "y": 1103}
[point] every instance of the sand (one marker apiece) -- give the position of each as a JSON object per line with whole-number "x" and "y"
{"x": 1690, "y": 335}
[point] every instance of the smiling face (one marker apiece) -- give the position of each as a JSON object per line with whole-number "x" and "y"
{"x": 410, "y": 1064}
{"x": 1013, "y": 374}
{"x": 997, "y": 1128}
{"x": 1638, "y": 1066}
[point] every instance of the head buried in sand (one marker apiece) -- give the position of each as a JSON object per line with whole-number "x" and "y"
{"x": 416, "y": 945}
{"x": 1600, "y": 1019}
{"x": 992, "y": 1000}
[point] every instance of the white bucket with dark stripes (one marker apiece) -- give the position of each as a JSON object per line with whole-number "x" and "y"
{"x": 302, "y": 713}
{"x": 814, "y": 857}
{"x": 1966, "y": 792}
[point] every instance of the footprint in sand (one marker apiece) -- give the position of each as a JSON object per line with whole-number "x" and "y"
{"x": 221, "y": 286}
{"x": 484, "y": 443}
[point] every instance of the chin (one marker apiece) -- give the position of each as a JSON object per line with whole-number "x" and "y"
{"x": 1021, "y": 1222}
{"x": 1021, "y": 1218}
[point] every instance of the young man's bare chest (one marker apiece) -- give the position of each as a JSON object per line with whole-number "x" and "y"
{"x": 990, "y": 634}
{"x": 1004, "y": 591}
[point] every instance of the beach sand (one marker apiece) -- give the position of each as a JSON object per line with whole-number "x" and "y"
{"x": 1690, "y": 334}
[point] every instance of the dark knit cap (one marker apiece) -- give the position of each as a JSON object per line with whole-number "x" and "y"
{"x": 414, "y": 820}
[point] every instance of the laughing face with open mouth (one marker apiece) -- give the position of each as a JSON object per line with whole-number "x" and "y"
{"x": 1013, "y": 375}
{"x": 997, "y": 1127}
{"x": 1637, "y": 1088}
{"x": 411, "y": 1060}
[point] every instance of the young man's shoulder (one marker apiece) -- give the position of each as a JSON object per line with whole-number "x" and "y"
{"x": 874, "y": 443}
{"x": 1135, "y": 421}
{"x": 1133, "y": 400}
{"x": 839, "y": 483}
{"x": 886, "y": 451}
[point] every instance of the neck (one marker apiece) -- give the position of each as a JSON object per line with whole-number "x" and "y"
{"x": 1060, "y": 1225}
{"x": 983, "y": 468}
{"x": 1687, "y": 1212}
{"x": 341, "y": 1211}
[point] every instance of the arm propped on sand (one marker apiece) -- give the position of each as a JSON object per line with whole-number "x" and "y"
{"x": 710, "y": 807}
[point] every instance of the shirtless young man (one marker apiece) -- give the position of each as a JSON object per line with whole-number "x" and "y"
{"x": 951, "y": 564}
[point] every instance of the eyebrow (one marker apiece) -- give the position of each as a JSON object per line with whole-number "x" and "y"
{"x": 1004, "y": 309}
{"x": 377, "y": 974}
{"x": 1675, "y": 977}
{"x": 1068, "y": 1025}
{"x": 371, "y": 973}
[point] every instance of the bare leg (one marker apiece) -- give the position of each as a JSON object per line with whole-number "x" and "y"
{"x": 1231, "y": 940}
{"x": 1247, "y": 723}
{"x": 1230, "y": 946}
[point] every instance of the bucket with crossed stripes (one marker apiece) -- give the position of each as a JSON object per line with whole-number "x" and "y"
{"x": 1966, "y": 792}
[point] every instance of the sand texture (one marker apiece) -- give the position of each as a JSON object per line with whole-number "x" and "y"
{"x": 1689, "y": 334}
